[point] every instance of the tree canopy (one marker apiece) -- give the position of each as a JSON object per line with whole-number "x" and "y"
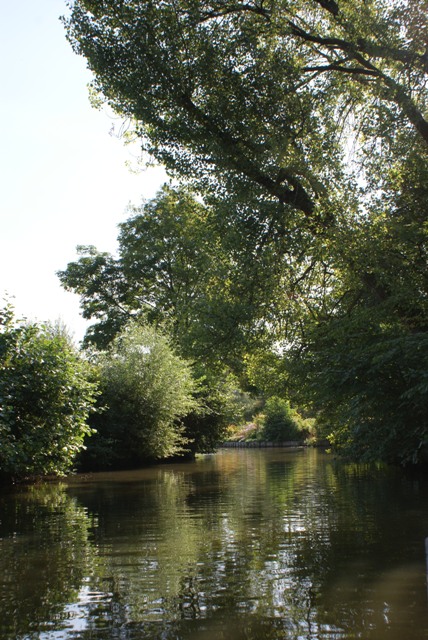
{"x": 166, "y": 255}
{"x": 257, "y": 95}
{"x": 302, "y": 125}
{"x": 179, "y": 268}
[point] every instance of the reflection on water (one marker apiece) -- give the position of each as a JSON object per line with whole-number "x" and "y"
{"x": 44, "y": 556}
{"x": 245, "y": 544}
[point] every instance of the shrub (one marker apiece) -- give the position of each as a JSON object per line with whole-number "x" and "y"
{"x": 147, "y": 389}
{"x": 46, "y": 395}
{"x": 279, "y": 422}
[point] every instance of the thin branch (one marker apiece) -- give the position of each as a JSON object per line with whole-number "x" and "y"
{"x": 338, "y": 67}
{"x": 234, "y": 8}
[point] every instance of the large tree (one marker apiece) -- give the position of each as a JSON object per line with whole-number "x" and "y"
{"x": 166, "y": 251}
{"x": 304, "y": 125}
{"x": 178, "y": 266}
{"x": 255, "y": 95}
{"x": 262, "y": 105}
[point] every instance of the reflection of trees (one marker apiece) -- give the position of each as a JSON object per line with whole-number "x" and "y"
{"x": 243, "y": 545}
{"x": 367, "y": 562}
{"x": 144, "y": 546}
{"x": 274, "y": 538}
{"x": 44, "y": 555}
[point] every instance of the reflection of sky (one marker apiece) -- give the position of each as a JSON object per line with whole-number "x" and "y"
{"x": 76, "y": 613}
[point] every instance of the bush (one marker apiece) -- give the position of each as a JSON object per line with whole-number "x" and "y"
{"x": 372, "y": 395}
{"x": 146, "y": 389}
{"x": 208, "y": 424}
{"x": 45, "y": 398}
{"x": 279, "y": 422}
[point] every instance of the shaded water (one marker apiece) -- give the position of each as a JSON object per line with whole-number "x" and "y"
{"x": 244, "y": 544}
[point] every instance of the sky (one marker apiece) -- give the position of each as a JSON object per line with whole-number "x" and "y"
{"x": 64, "y": 179}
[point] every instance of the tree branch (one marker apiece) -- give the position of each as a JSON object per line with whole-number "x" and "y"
{"x": 297, "y": 196}
{"x": 330, "y": 5}
{"x": 338, "y": 67}
{"x": 395, "y": 92}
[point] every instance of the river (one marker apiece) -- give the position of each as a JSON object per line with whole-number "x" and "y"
{"x": 245, "y": 544}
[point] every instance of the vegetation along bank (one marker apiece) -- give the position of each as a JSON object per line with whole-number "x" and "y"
{"x": 286, "y": 262}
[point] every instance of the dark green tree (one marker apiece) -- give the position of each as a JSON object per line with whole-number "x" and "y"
{"x": 279, "y": 424}
{"x": 47, "y": 391}
{"x": 207, "y": 425}
{"x": 364, "y": 360}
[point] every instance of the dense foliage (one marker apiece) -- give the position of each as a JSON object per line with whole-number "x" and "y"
{"x": 46, "y": 395}
{"x": 254, "y": 90}
{"x": 302, "y": 126}
{"x": 146, "y": 390}
{"x": 279, "y": 423}
{"x": 177, "y": 268}
{"x": 168, "y": 251}
{"x": 207, "y": 425}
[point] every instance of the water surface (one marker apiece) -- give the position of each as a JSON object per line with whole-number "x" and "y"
{"x": 245, "y": 544}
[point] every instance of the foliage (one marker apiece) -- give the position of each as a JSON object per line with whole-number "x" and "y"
{"x": 371, "y": 386}
{"x": 266, "y": 371}
{"x": 146, "y": 390}
{"x": 47, "y": 392}
{"x": 104, "y": 295}
{"x": 208, "y": 424}
{"x": 279, "y": 423}
{"x": 302, "y": 127}
{"x": 166, "y": 251}
{"x": 177, "y": 268}
{"x": 362, "y": 361}
{"x": 252, "y": 90}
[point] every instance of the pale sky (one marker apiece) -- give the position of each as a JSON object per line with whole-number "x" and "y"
{"x": 64, "y": 179}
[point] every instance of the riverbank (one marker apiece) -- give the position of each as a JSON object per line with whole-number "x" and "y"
{"x": 256, "y": 444}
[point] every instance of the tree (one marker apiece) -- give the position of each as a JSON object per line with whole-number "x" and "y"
{"x": 208, "y": 424}
{"x": 47, "y": 391}
{"x": 259, "y": 104}
{"x": 363, "y": 363}
{"x": 279, "y": 422}
{"x": 303, "y": 125}
{"x": 97, "y": 278}
{"x": 179, "y": 268}
{"x": 146, "y": 390}
{"x": 167, "y": 249}
{"x": 249, "y": 94}
{"x": 172, "y": 272}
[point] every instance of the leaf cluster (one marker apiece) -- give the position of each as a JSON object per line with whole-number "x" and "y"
{"x": 47, "y": 392}
{"x": 146, "y": 390}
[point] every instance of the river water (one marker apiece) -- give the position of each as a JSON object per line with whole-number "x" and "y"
{"x": 241, "y": 545}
